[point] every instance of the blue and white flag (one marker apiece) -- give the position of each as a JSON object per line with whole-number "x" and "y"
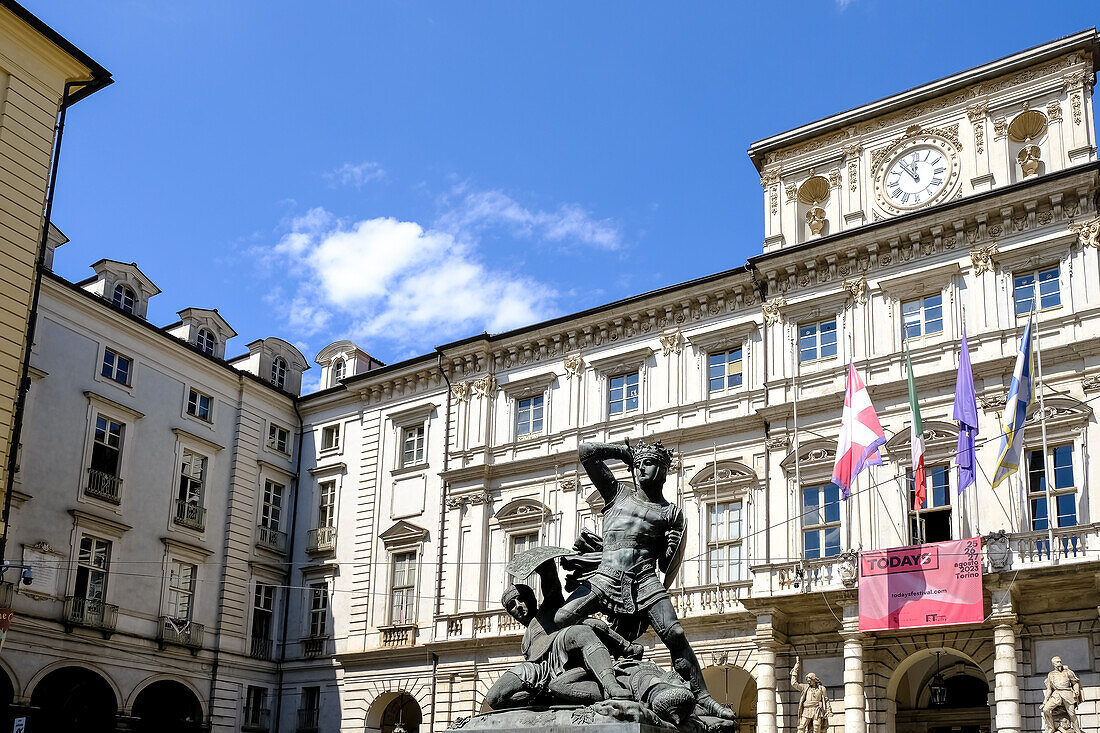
{"x": 1020, "y": 396}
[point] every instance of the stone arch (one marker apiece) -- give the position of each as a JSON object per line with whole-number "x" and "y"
{"x": 377, "y": 699}
{"x": 61, "y": 664}
{"x": 962, "y": 654}
{"x": 819, "y": 453}
{"x": 153, "y": 679}
{"x": 524, "y": 510}
{"x": 734, "y": 685}
{"x": 907, "y": 653}
{"x": 16, "y": 688}
{"x": 74, "y": 696}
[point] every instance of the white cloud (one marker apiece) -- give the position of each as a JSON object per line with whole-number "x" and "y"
{"x": 400, "y": 281}
{"x": 570, "y": 224}
{"x": 357, "y": 175}
{"x": 843, "y": 4}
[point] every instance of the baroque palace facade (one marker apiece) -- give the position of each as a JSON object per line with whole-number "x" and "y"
{"x": 212, "y": 550}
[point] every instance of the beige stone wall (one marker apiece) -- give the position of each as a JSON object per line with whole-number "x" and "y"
{"x": 33, "y": 73}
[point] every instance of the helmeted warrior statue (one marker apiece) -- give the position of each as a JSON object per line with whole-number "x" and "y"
{"x": 642, "y": 536}
{"x": 1063, "y": 691}
{"x": 814, "y": 708}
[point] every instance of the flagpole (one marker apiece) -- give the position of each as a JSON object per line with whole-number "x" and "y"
{"x": 1051, "y": 509}
{"x": 795, "y": 369}
{"x": 714, "y": 463}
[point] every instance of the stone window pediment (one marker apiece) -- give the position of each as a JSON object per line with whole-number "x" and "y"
{"x": 624, "y": 362}
{"x": 821, "y": 308}
{"x": 413, "y": 415}
{"x": 940, "y": 441}
{"x": 815, "y": 459}
{"x": 528, "y": 386}
{"x": 403, "y": 534}
{"x": 723, "y": 339}
{"x": 726, "y": 477}
{"x": 1065, "y": 418}
{"x": 520, "y": 514}
{"x": 920, "y": 282}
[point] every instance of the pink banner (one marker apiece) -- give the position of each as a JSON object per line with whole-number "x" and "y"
{"x": 923, "y": 585}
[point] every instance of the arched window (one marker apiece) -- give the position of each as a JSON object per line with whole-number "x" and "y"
{"x": 338, "y": 369}
{"x": 206, "y": 341}
{"x": 278, "y": 372}
{"x": 123, "y": 298}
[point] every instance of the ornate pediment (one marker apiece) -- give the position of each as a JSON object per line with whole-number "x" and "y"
{"x": 525, "y": 511}
{"x": 812, "y": 455}
{"x": 938, "y": 436}
{"x": 1061, "y": 414}
{"x": 724, "y": 475}
{"x": 403, "y": 534}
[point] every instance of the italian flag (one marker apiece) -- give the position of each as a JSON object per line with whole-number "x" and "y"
{"x": 916, "y": 434}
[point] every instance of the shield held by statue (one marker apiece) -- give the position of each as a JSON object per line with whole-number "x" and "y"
{"x": 522, "y": 565}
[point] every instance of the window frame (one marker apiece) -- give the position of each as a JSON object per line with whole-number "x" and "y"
{"x": 279, "y": 369}
{"x": 914, "y": 516}
{"x": 709, "y": 366}
{"x": 116, "y": 358}
{"x": 192, "y": 482}
{"x": 822, "y": 527}
{"x": 118, "y": 298}
{"x": 259, "y": 596}
{"x": 818, "y": 347}
{"x": 266, "y": 506}
{"x": 322, "y": 504}
{"x": 1036, "y": 288}
{"x": 208, "y": 343}
{"x": 923, "y": 320}
{"x": 176, "y": 591}
{"x": 89, "y": 567}
{"x": 273, "y": 442}
{"x": 339, "y": 370}
{"x": 194, "y": 398}
{"x": 1035, "y": 495}
{"x": 408, "y": 587}
{"x": 318, "y": 609}
{"x": 420, "y": 445}
{"x": 626, "y": 376}
{"x": 714, "y": 545}
{"x": 334, "y": 431}
{"x": 518, "y": 422}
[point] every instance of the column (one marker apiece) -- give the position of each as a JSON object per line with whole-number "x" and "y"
{"x": 855, "y": 716}
{"x": 766, "y": 718}
{"x": 1006, "y": 688}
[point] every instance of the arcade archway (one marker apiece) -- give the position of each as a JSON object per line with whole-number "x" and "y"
{"x": 734, "y": 687}
{"x": 964, "y": 707}
{"x": 74, "y": 698}
{"x": 167, "y": 706}
{"x": 394, "y": 712}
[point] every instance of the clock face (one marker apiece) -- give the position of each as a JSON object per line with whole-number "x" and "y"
{"x": 917, "y": 176}
{"x": 920, "y": 169}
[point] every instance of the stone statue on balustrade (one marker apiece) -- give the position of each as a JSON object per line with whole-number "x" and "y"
{"x": 572, "y": 658}
{"x": 1060, "y": 701}
{"x": 814, "y": 708}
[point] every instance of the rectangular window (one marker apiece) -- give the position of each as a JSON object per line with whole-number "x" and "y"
{"x": 263, "y": 612}
{"x": 326, "y": 504}
{"x": 330, "y": 437}
{"x": 402, "y": 588}
{"x": 318, "y": 609}
{"x": 1063, "y": 493}
{"x": 192, "y": 477}
{"x": 724, "y": 533}
{"x": 1041, "y": 284}
{"x": 622, "y": 394}
{"x": 310, "y": 707}
{"x": 181, "y": 589}
{"x": 817, "y": 341}
{"x": 932, "y": 522}
{"x": 272, "y": 507}
{"x": 198, "y": 404}
{"x": 92, "y": 566}
{"x": 820, "y": 521}
{"x": 922, "y": 316}
{"x": 724, "y": 370}
{"x": 278, "y": 438}
{"x": 529, "y": 416}
{"x": 412, "y": 445}
{"x": 255, "y": 708}
{"x": 116, "y": 367}
{"x": 107, "y": 446}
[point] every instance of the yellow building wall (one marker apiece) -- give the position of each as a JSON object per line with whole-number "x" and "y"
{"x": 33, "y": 72}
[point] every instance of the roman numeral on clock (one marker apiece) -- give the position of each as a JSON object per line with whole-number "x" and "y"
{"x": 896, "y": 192}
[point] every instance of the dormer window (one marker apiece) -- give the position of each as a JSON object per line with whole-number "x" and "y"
{"x": 206, "y": 341}
{"x": 123, "y": 298}
{"x": 338, "y": 369}
{"x": 278, "y": 372}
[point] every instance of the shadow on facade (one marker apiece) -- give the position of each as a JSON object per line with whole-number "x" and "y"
{"x": 73, "y": 698}
{"x": 167, "y": 706}
{"x": 735, "y": 687}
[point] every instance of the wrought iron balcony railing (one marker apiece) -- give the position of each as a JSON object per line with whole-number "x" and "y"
{"x": 180, "y": 631}
{"x": 260, "y": 648}
{"x": 190, "y": 515}
{"x": 103, "y": 485}
{"x": 256, "y": 719}
{"x": 270, "y": 539}
{"x": 94, "y": 614}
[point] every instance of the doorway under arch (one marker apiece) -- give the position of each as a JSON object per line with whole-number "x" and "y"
{"x": 394, "y": 712}
{"x": 167, "y": 706}
{"x": 735, "y": 687}
{"x": 965, "y": 691}
{"x": 74, "y": 698}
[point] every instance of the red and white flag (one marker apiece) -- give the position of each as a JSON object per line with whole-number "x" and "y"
{"x": 860, "y": 434}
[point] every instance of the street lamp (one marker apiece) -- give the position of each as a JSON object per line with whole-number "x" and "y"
{"x": 937, "y": 687}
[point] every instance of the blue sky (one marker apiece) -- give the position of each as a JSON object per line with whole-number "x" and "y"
{"x": 406, "y": 174}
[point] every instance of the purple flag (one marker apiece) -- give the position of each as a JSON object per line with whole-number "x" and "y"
{"x": 966, "y": 413}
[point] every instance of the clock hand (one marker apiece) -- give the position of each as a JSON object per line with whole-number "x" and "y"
{"x": 914, "y": 176}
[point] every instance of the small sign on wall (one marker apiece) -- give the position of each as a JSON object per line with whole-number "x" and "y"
{"x": 46, "y": 565}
